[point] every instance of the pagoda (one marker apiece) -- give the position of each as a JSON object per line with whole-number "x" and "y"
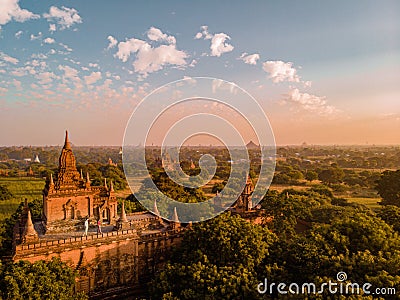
{"x": 69, "y": 198}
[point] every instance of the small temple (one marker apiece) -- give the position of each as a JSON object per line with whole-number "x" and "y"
{"x": 244, "y": 202}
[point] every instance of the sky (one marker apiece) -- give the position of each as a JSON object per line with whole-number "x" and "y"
{"x": 324, "y": 72}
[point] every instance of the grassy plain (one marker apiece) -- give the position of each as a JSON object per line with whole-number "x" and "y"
{"x": 21, "y": 188}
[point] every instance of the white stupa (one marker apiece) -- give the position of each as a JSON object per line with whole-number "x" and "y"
{"x": 37, "y": 160}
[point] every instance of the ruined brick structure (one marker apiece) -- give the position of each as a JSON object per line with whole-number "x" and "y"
{"x": 244, "y": 203}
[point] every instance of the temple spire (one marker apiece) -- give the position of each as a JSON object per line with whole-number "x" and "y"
{"x": 51, "y": 179}
{"x": 105, "y": 183}
{"x": 29, "y": 231}
{"x": 123, "y": 217}
{"x": 67, "y": 144}
{"x": 87, "y": 180}
{"x": 111, "y": 186}
{"x": 155, "y": 208}
{"x": 175, "y": 216}
{"x": 81, "y": 174}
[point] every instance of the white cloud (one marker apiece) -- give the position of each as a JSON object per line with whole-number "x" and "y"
{"x": 68, "y": 71}
{"x": 17, "y": 84}
{"x": 219, "y": 44}
{"x": 52, "y": 27}
{"x": 93, "y": 65}
{"x": 49, "y": 40}
{"x": 222, "y": 85}
{"x": 153, "y": 59}
{"x": 155, "y": 34}
{"x": 193, "y": 63}
{"x": 309, "y": 102}
{"x": 219, "y": 41}
{"x": 39, "y": 56}
{"x": 129, "y": 46}
{"x": 36, "y": 63}
{"x": 8, "y": 58}
{"x": 203, "y": 33}
{"x": 3, "y": 90}
{"x": 18, "y": 34}
{"x": 45, "y": 77}
{"x": 92, "y": 78}
{"x": 36, "y": 37}
{"x": 10, "y": 9}
{"x": 74, "y": 61}
{"x": 281, "y": 71}
{"x": 71, "y": 74}
{"x": 250, "y": 59}
{"x": 190, "y": 79}
{"x": 65, "y": 47}
{"x": 150, "y": 59}
{"x": 113, "y": 42}
{"x": 19, "y": 72}
{"x": 64, "y": 16}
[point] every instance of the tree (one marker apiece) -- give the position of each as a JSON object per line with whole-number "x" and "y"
{"x": 357, "y": 243}
{"x": 216, "y": 260}
{"x": 41, "y": 280}
{"x": 388, "y": 187}
{"x": 5, "y": 193}
{"x": 350, "y": 243}
{"x": 281, "y": 178}
{"x": 391, "y": 215}
{"x": 36, "y": 208}
{"x": 311, "y": 175}
{"x": 217, "y": 187}
{"x": 331, "y": 175}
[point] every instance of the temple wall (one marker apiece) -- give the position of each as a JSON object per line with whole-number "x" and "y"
{"x": 108, "y": 260}
{"x": 70, "y": 207}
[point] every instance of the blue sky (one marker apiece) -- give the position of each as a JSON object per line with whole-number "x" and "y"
{"x": 324, "y": 72}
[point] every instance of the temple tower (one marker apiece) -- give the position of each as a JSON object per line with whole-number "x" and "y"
{"x": 68, "y": 175}
{"x": 244, "y": 202}
{"x": 69, "y": 197}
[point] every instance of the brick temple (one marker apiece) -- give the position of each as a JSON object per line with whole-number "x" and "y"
{"x": 70, "y": 197}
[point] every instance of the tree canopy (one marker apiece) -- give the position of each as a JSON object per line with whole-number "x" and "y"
{"x": 41, "y": 280}
{"x": 5, "y": 193}
{"x": 216, "y": 260}
{"x": 227, "y": 257}
{"x": 388, "y": 186}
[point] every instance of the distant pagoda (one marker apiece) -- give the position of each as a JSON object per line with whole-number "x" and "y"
{"x": 252, "y": 145}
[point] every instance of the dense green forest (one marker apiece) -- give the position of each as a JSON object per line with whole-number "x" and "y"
{"x": 227, "y": 257}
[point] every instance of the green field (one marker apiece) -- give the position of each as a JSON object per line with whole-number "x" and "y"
{"x": 371, "y": 203}
{"x": 21, "y": 188}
